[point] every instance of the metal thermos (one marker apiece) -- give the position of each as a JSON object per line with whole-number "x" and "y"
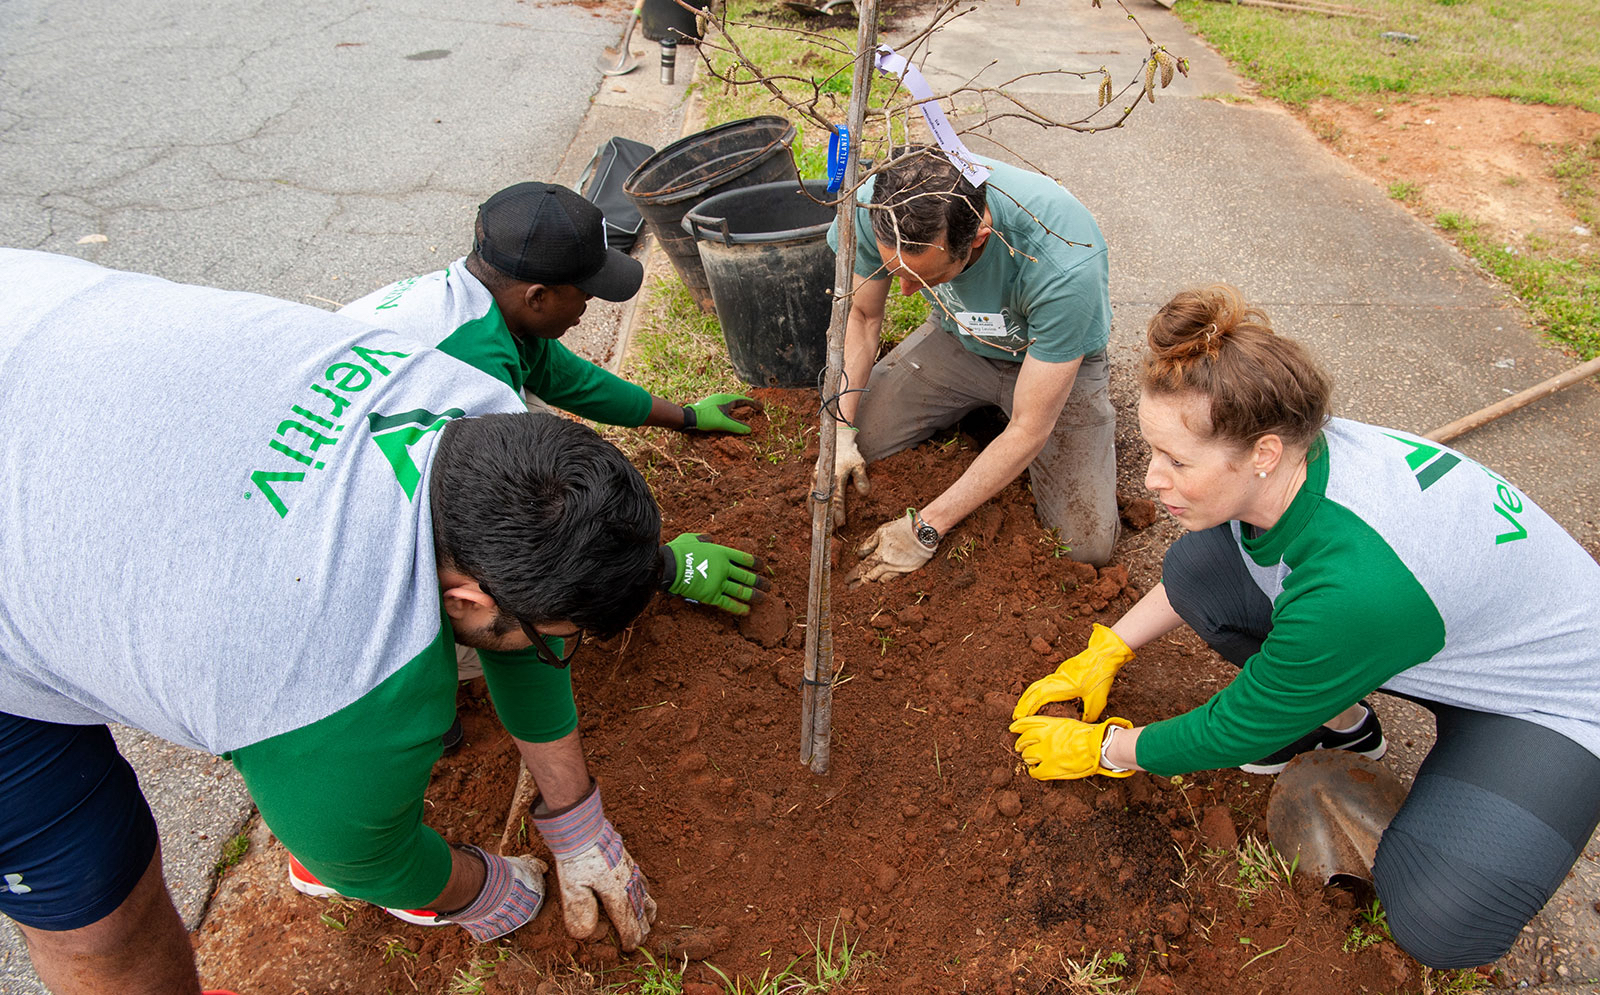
{"x": 669, "y": 59}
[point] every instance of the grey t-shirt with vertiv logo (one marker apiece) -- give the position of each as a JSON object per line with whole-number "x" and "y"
{"x": 214, "y": 505}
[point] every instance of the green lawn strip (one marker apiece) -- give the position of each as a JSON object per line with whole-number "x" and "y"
{"x": 1560, "y": 288}
{"x": 1530, "y": 51}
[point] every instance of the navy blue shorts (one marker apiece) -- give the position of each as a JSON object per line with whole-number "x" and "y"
{"x": 76, "y": 833}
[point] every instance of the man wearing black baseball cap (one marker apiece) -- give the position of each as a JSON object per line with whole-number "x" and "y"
{"x": 539, "y": 253}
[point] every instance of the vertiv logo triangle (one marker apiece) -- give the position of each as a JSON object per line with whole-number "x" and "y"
{"x": 396, "y": 434}
{"x": 1422, "y": 461}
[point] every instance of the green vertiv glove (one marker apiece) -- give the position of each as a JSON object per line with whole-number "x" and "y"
{"x": 715, "y": 575}
{"x": 715, "y": 413}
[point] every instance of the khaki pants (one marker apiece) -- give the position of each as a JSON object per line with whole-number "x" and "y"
{"x": 928, "y": 382}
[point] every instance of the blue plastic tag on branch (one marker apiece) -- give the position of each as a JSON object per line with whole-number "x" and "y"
{"x": 838, "y": 157}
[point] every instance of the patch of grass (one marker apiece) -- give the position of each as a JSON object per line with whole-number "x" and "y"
{"x": 1095, "y": 976}
{"x": 1560, "y": 288}
{"x": 1260, "y": 868}
{"x": 1533, "y": 51}
{"x": 655, "y": 978}
{"x": 1372, "y": 927}
{"x": 233, "y": 851}
{"x": 1451, "y": 982}
{"x": 784, "y": 982}
{"x": 1405, "y": 191}
{"x": 679, "y": 354}
{"x": 469, "y": 980}
{"x": 838, "y": 963}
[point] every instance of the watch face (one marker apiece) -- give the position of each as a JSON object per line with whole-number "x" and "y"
{"x": 927, "y": 535}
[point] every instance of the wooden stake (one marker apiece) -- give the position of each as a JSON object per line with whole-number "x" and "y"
{"x": 816, "y": 702}
{"x": 1560, "y": 381}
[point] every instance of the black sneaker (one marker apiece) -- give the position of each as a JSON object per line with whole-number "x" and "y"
{"x": 1366, "y": 739}
{"x": 452, "y": 737}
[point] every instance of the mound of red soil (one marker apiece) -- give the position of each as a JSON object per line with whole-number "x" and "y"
{"x": 926, "y": 843}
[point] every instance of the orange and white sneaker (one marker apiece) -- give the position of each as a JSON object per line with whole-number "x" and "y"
{"x": 306, "y": 883}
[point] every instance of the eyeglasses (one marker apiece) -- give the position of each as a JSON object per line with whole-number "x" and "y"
{"x": 537, "y": 638}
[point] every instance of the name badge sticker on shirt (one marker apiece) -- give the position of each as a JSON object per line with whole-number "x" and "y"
{"x": 983, "y": 324}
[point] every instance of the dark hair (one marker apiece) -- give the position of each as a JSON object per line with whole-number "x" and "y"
{"x": 921, "y": 199}
{"x": 1208, "y": 341}
{"x": 548, "y": 514}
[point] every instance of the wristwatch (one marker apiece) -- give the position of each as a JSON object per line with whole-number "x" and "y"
{"x": 926, "y": 534}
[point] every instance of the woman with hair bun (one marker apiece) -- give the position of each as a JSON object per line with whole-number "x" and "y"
{"x": 1328, "y": 559}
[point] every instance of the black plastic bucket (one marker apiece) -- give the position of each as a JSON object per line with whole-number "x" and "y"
{"x": 675, "y": 179}
{"x": 765, "y": 252}
{"x": 660, "y": 19}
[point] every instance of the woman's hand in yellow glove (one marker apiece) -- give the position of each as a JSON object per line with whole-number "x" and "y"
{"x": 1087, "y": 675}
{"x": 1057, "y": 749}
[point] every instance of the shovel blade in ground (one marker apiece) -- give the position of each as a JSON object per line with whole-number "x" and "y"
{"x": 1330, "y": 808}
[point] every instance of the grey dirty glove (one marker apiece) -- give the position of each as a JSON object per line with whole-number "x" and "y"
{"x": 891, "y": 551}
{"x": 592, "y": 863}
{"x": 848, "y": 466}
{"x": 513, "y": 891}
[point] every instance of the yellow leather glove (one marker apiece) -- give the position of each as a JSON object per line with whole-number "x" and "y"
{"x": 1087, "y": 675}
{"x": 1058, "y": 749}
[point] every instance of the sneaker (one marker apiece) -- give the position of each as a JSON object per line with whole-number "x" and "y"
{"x": 452, "y": 737}
{"x": 1365, "y": 739}
{"x": 306, "y": 883}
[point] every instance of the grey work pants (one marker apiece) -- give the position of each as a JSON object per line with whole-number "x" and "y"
{"x": 928, "y": 382}
{"x": 1500, "y": 810}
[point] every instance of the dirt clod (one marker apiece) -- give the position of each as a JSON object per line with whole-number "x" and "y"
{"x": 701, "y": 943}
{"x": 1009, "y": 804}
{"x": 1217, "y": 829}
{"x": 768, "y": 622}
{"x": 1137, "y": 513}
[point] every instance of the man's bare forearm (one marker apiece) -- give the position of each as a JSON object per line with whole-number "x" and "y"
{"x": 998, "y": 465}
{"x": 860, "y": 352}
{"x": 558, "y": 768}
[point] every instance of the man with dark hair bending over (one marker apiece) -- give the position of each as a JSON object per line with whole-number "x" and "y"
{"x": 1016, "y": 271}
{"x": 262, "y": 542}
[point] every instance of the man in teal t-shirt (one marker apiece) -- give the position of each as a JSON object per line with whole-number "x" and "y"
{"x": 1016, "y": 271}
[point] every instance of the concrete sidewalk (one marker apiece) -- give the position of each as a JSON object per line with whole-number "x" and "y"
{"x": 1207, "y": 185}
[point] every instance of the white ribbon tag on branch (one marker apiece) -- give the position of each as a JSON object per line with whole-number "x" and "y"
{"x": 890, "y": 61}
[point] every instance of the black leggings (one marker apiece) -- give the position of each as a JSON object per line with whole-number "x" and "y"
{"x": 1500, "y": 810}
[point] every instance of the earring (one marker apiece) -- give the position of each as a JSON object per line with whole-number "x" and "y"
{"x": 1262, "y": 474}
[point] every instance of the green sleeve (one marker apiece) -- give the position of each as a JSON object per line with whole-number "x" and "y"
{"x": 344, "y": 794}
{"x": 1350, "y": 617}
{"x": 569, "y": 382}
{"x": 486, "y": 344}
{"x": 533, "y": 699}
{"x": 1069, "y": 311}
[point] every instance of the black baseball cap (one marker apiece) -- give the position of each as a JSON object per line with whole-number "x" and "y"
{"x": 544, "y": 233}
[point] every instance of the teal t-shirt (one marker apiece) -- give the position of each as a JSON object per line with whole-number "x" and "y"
{"x": 1041, "y": 286}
